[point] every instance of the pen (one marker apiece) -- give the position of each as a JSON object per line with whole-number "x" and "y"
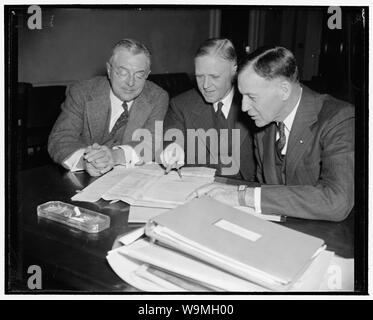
{"x": 179, "y": 173}
{"x": 168, "y": 169}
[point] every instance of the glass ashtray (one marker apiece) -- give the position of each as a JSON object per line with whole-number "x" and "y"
{"x": 74, "y": 216}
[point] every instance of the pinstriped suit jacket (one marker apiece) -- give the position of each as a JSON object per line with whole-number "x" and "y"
{"x": 319, "y": 166}
{"x": 84, "y": 115}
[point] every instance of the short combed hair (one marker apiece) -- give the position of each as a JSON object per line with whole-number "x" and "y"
{"x": 272, "y": 62}
{"x": 222, "y": 48}
{"x": 133, "y": 46}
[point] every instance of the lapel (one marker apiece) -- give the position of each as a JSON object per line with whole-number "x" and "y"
{"x": 98, "y": 109}
{"x": 240, "y": 121}
{"x": 301, "y": 135}
{"x": 139, "y": 113}
{"x": 201, "y": 117}
{"x": 268, "y": 155}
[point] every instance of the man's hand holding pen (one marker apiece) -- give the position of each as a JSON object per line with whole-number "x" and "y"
{"x": 172, "y": 157}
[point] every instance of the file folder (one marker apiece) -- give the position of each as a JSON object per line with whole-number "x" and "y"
{"x": 256, "y": 250}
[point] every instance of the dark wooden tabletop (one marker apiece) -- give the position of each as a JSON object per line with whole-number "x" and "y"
{"x": 74, "y": 260}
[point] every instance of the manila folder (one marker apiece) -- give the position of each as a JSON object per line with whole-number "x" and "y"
{"x": 250, "y": 247}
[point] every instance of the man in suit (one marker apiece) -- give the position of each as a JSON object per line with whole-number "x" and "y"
{"x": 211, "y": 116}
{"x": 305, "y": 148}
{"x": 97, "y": 127}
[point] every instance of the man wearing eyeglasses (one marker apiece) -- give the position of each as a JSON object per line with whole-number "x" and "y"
{"x": 96, "y": 129}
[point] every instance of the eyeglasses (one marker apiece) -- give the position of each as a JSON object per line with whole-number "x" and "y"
{"x": 124, "y": 74}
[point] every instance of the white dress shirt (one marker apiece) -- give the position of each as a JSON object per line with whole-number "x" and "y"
{"x": 73, "y": 162}
{"x": 288, "y": 124}
{"x": 227, "y": 102}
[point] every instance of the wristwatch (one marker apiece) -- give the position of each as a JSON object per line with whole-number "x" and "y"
{"x": 241, "y": 195}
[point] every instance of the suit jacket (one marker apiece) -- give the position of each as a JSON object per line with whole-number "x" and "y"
{"x": 86, "y": 112}
{"x": 190, "y": 111}
{"x": 319, "y": 167}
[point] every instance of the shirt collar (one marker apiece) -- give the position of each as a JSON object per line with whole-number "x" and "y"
{"x": 115, "y": 101}
{"x": 290, "y": 118}
{"x": 227, "y": 102}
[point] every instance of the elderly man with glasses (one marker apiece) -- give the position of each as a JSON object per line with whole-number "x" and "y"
{"x": 96, "y": 129}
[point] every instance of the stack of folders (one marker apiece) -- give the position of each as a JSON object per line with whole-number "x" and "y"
{"x": 251, "y": 249}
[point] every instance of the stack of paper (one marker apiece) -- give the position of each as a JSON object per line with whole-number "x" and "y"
{"x": 251, "y": 248}
{"x": 150, "y": 267}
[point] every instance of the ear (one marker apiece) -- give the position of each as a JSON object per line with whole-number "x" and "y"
{"x": 285, "y": 89}
{"x": 234, "y": 68}
{"x": 148, "y": 74}
{"x": 108, "y": 69}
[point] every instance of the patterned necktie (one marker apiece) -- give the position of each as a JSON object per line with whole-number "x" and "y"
{"x": 280, "y": 143}
{"x": 122, "y": 120}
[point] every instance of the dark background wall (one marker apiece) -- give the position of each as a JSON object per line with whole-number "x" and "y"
{"x": 329, "y": 60}
{"x": 74, "y": 43}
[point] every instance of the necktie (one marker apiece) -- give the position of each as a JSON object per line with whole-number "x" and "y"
{"x": 223, "y": 143}
{"x": 280, "y": 143}
{"x": 221, "y": 121}
{"x": 219, "y": 112}
{"x": 122, "y": 120}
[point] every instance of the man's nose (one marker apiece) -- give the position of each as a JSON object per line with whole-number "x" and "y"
{"x": 206, "y": 82}
{"x": 245, "y": 105}
{"x": 131, "y": 80}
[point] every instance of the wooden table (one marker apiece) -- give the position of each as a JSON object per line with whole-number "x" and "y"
{"x": 75, "y": 260}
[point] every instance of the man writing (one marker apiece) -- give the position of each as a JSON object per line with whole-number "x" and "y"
{"x": 212, "y": 109}
{"x": 305, "y": 148}
{"x": 99, "y": 117}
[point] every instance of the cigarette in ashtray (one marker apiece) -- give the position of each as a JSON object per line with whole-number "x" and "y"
{"x": 77, "y": 211}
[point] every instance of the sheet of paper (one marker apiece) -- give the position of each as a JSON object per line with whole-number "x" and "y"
{"x": 313, "y": 276}
{"x": 139, "y": 214}
{"x": 143, "y": 272}
{"x": 187, "y": 266}
{"x": 126, "y": 268}
{"x": 172, "y": 189}
{"x": 150, "y": 186}
{"x": 132, "y": 186}
{"x": 198, "y": 172}
{"x": 132, "y": 236}
{"x": 339, "y": 276}
{"x": 95, "y": 190}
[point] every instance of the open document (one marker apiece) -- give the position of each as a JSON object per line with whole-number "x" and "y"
{"x": 150, "y": 191}
{"x": 147, "y": 186}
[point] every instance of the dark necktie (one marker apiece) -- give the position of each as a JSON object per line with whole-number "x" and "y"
{"x": 220, "y": 118}
{"x": 223, "y": 144}
{"x": 280, "y": 143}
{"x": 122, "y": 120}
{"x": 219, "y": 112}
